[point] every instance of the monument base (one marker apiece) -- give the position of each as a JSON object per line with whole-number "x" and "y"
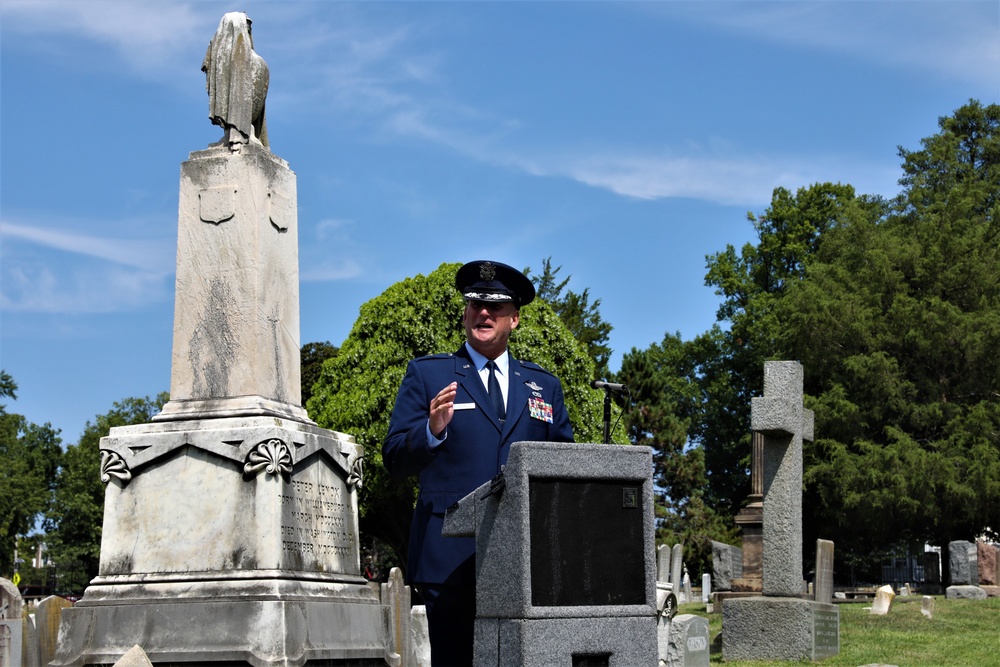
{"x": 543, "y": 642}
{"x": 260, "y": 623}
{"x": 772, "y": 628}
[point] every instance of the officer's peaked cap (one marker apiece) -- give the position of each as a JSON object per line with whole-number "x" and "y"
{"x": 484, "y": 280}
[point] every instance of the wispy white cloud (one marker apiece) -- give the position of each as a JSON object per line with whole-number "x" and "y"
{"x": 53, "y": 271}
{"x": 155, "y": 256}
{"x": 956, "y": 40}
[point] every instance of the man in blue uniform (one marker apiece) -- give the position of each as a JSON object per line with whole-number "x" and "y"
{"x": 455, "y": 418}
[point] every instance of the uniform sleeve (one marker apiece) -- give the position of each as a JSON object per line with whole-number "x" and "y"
{"x": 406, "y": 451}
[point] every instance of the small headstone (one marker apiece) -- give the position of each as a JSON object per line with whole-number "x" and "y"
{"x": 962, "y": 559}
{"x": 687, "y": 645}
{"x": 395, "y": 595}
{"x": 29, "y": 644}
{"x": 47, "y": 616}
{"x": 727, "y": 564}
{"x": 883, "y": 601}
{"x": 134, "y": 657}
{"x": 927, "y": 606}
{"x": 965, "y": 593}
{"x": 421, "y": 636}
{"x": 11, "y": 625}
{"x": 687, "y": 587}
{"x": 706, "y": 587}
{"x": 839, "y": 595}
{"x": 988, "y": 560}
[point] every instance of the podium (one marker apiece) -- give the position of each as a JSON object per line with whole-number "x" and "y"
{"x": 565, "y": 557}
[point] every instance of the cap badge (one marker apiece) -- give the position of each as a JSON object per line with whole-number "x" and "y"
{"x": 487, "y": 271}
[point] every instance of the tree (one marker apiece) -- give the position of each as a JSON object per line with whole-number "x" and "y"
{"x": 30, "y": 455}
{"x": 419, "y": 316}
{"x": 897, "y": 323}
{"x": 730, "y": 359}
{"x": 312, "y": 356}
{"x": 664, "y": 396}
{"x": 580, "y": 316}
{"x": 75, "y": 518}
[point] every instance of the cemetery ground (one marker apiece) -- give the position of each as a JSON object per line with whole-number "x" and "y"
{"x": 962, "y": 633}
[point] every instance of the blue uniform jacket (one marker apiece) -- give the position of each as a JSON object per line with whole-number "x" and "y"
{"x": 476, "y": 447}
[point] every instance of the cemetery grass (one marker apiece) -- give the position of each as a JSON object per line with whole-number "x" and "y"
{"x": 963, "y": 633}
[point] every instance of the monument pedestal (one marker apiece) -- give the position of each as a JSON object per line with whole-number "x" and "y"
{"x": 774, "y": 628}
{"x": 229, "y": 540}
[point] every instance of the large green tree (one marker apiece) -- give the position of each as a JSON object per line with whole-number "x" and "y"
{"x": 415, "y": 317}
{"x": 729, "y": 359}
{"x": 75, "y": 517}
{"x": 898, "y": 325}
{"x": 30, "y": 457}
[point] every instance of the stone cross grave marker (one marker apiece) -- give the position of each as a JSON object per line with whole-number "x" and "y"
{"x": 780, "y": 416}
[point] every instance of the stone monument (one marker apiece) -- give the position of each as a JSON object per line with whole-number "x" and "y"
{"x": 781, "y": 624}
{"x": 565, "y": 557}
{"x": 230, "y": 524}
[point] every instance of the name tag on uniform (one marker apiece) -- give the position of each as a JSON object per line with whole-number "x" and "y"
{"x": 465, "y": 406}
{"x": 539, "y": 409}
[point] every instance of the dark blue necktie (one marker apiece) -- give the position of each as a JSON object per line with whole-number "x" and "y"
{"x": 495, "y": 394}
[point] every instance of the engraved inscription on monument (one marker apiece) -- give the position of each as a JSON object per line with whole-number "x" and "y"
{"x": 318, "y": 529}
{"x": 826, "y": 631}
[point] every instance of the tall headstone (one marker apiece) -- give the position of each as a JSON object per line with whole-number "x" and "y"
{"x": 230, "y": 525}
{"x": 706, "y": 587}
{"x": 48, "y": 613}
{"x": 824, "y": 571}
{"x": 677, "y": 569}
{"x": 727, "y": 565}
{"x": 781, "y": 625}
{"x": 663, "y": 563}
{"x": 988, "y": 564}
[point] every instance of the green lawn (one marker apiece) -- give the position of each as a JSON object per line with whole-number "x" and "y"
{"x": 962, "y": 633}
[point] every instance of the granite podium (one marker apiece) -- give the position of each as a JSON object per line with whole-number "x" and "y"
{"x": 565, "y": 557}
{"x": 230, "y": 525}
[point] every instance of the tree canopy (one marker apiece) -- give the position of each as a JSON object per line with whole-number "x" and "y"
{"x": 30, "y": 455}
{"x": 415, "y": 317}
{"x": 75, "y": 518}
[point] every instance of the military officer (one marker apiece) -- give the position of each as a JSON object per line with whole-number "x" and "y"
{"x": 455, "y": 417}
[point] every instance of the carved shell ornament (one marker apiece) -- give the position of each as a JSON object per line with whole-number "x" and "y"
{"x": 113, "y": 465}
{"x": 272, "y": 456}
{"x": 355, "y": 477}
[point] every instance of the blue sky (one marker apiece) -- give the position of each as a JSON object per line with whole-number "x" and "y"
{"x": 627, "y": 141}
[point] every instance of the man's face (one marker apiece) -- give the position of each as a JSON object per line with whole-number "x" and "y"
{"x": 488, "y": 326}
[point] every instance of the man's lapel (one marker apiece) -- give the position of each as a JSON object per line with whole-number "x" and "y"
{"x": 517, "y": 395}
{"x": 469, "y": 379}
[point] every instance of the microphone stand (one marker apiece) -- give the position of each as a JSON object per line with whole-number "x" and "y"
{"x": 607, "y": 416}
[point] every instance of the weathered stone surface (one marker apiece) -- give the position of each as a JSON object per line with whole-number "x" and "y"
{"x": 687, "y": 644}
{"x": 421, "y": 637}
{"x": 824, "y": 571}
{"x": 962, "y": 560}
{"x": 727, "y": 564}
{"x": 663, "y": 563}
{"x": 236, "y": 310}
{"x": 965, "y": 593}
{"x": 785, "y": 423}
{"x": 992, "y": 591}
{"x": 989, "y": 563}
{"x": 883, "y": 601}
{"x": 396, "y": 599}
{"x": 134, "y": 657}
{"x": 48, "y": 614}
{"x": 768, "y": 628}
{"x": 677, "y": 568}
{"x": 11, "y": 625}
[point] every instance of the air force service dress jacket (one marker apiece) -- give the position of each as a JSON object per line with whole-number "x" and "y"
{"x": 476, "y": 446}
